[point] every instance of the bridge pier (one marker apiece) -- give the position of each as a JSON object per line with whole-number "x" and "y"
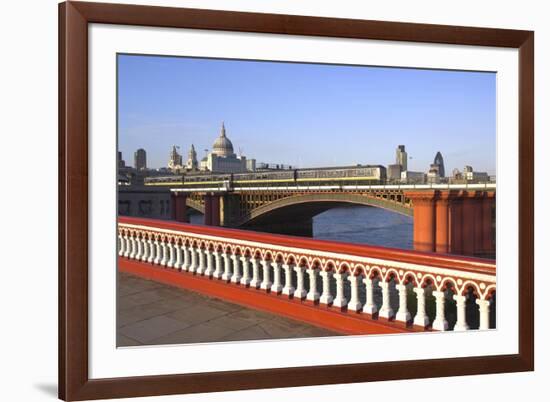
{"x": 455, "y": 222}
{"x": 212, "y": 209}
{"x": 179, "y": 207}
{"x": 442, "y": 224}
{"x": 424, "y": 220}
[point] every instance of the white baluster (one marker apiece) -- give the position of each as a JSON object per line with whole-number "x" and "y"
{"x": 158, "y": 253}
{"x": 402, "y": 313}
{"x": 226, "y": 267}
{"x": 202, "y": 261}
{"x": 133, "y": 247}
{"x": 369, "y": 307}
{"x": 255, "y": 282}
{"x": 186, "y": 258}
{"x": 218, "y": 271}
{"x": 313, "y": 294}
{"x": 145, "y": 251}
{"x": 137, "y": 256}
{"x": 340, "y": 300}
{"x": 326, "y": 297}
{"x": 193, "y": 254}
{"x": 120, "y": 245}
{"x": 236, "y": 277}
{"x": 152, "y": 251}
{"x": 354, "y": 303}
{"x": 276, "y": 287}
{"x": 245, "y": 280}
{"x": 128, "y": 247}
{"x": 386, "y": 310}
{"x": 145, "y": 254}
{"x": 461, "y": 324}
{"x": 209, "y": 263}
{"x": 171, "y": 255}
{"x": 300, "y": 291}
{"x": 130, "y": 251}
{"x": 440, "y": 323}
{"x": 164, "y": 248}
{"x": 421, "y": 318}
{"x": 266, "y": 282}
{"x": 484, "y": 311}
{"x": 177, "y": 251}
{"x": 288, "y": 289}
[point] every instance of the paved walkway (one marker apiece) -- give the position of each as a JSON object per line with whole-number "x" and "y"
{"x": 151, "y": 313}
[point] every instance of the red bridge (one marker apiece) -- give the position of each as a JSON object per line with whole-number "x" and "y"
{"x": 456, "y": 219}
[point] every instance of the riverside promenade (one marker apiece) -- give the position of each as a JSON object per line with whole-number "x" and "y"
{"x": 152, "y": 313}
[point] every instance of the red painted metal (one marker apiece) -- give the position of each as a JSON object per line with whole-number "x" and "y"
{"x": 468, "y": 264}
{"x": 442, "y": 225}
{"x": 332, "y": 318}
{"x": 215, "y": 210}
{"x": 179, "y": 207}
{"x": 208, "y": 209}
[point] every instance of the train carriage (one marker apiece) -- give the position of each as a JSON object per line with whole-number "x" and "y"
{"x": 334, "y": 176}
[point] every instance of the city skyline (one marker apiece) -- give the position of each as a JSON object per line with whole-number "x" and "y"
{"x": 334, "y": 115}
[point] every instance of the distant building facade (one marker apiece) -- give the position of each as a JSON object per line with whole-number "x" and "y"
{"x": 394, "y": 172}
{"x": 468, "y": 175}
{"x": 251, "y": 165}
{"x": 192, "y": 163}
{"x": 140, "y": 159}
{"x": 175, "y": 159}
{"x": 120, "y": 161}
{"x": 401, "y": 157}
{"x": 476, "y": 177}
{"x": 223, "y": 159}
{"x": 436, "y": 173}
{"x": 438, "y": 162}
{"x": 433, "y": 176}
{"x": 409, "y": 177}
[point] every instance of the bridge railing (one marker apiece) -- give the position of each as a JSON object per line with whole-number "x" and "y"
{"x": 376, "y": 282}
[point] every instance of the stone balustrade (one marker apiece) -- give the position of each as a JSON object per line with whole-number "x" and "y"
{"x": 377, "y": 282}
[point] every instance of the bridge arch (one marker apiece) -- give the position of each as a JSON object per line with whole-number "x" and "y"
{"x": 194, "y": 204}
{"x": 306, "y": 206}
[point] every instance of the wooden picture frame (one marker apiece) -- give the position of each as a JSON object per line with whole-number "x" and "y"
{"x": 74, "y": 381}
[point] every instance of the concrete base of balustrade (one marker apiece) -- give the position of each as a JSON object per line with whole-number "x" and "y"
{"x": 333, "y": 318}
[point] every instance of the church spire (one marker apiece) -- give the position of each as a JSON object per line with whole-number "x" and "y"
{"x": 223, "y": 129}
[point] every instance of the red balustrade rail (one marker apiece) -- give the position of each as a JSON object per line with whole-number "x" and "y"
{"x": 257, "y": 260}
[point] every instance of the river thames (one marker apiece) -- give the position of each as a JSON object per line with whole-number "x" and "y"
{"x": 359, "y": 224}
{"x": 365, "y": 225}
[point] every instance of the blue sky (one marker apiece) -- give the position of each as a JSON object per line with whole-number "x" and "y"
{"x": 306, "y": 114}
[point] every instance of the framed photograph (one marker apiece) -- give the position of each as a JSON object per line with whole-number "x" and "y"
{"x": 260, "y": 200}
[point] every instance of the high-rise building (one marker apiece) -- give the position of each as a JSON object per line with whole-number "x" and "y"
{"x": 401, "y": 157}
{"x": 140, "y": 159}
{"x": 192, "y": 163}
{"x": 175, "y": 161}
{"x": 120, "y": 161}
{"x": 438, "y": 160}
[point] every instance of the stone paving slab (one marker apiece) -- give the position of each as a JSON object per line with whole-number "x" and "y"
{"x": 151, "y": 313}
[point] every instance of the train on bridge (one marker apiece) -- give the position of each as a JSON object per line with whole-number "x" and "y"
{"x": 345, "y": 175}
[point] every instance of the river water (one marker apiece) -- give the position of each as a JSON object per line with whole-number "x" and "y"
{"x": 365, "y": 225}
{"x": 359, "y": 224}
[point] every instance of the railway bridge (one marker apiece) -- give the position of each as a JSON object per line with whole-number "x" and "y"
{"x": 447, "y": 218}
